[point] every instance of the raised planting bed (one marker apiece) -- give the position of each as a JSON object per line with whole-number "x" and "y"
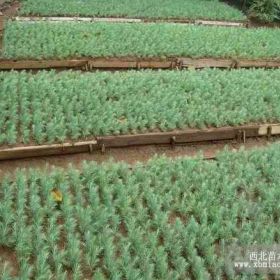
{"x": 44, "y": 40}
{"x": 152, "y": 9}
{"x": 120, "y": 109}
{"x": 50, "y": 107}
{"x": 168, "y": 219}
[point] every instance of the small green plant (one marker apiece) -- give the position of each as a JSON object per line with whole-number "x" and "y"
{"x": 202, "y": 9}
{"x": 141, "y": 227}
{"x": 45, "y": 40}
{"x": 105, "y": 103}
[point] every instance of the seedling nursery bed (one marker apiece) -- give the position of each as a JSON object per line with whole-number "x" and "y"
{"x": 52, "y": 41}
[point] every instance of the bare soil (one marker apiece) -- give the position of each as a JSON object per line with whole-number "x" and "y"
{"x": 8, "y": 256}
{"x": 9, "y": 8}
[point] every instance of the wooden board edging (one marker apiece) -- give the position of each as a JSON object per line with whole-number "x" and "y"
{"x": 115, "y": 63}
{"x": 130, "y": 20}
{"x": 181, "y": 137}
{"x": 47, "y": 150}
{"x": 240, "y": 133}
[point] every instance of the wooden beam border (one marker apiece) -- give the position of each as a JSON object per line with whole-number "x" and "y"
{"x": 240, "y": 133}
{"x": 114, "y": 63}
{"x": 130, "y": 20}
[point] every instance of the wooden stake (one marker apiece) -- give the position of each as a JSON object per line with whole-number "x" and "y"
{"x": 103, "y": 148}
{"x": 173, "y": 141}
{"x": 244, "y": 136}
{"x": 269, "y": 132}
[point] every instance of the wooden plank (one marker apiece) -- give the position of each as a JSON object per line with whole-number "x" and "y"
{"x": 131, "y": 20}
{"x": 42, "y": 64}
{"x": 275, "y": 129}
{"x": 103, "y": 63}
{"x": 220, "y": 23}
{"x": 77, "y": 19}
{"x": 184, "y": 136}
{"x": 217, "y": 134}
{"x": 47, "y": 150}
{"x": 267, "y": 63}
{"x": 229, "y": 63}
{"x": 88, "y": 63}
{"x": 153, "y": 64}
{"x": 126, "y": 63}
{"x": 52, "y": 19}
{"x": 135, "y": 63}
{"x": 206, "y": 62}
{"x": 118, "y": 20}
{"x": 156, "y": 138}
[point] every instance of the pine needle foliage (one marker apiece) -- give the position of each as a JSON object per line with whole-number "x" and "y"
{"x": 50, "y": 107}
{"x": 191, "y": 207}
{"x": 81, "y": 39}
{"x": 202, "y": 9}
